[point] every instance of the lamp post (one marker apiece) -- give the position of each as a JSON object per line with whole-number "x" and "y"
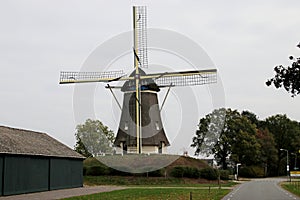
{"x": 295, "y": 154}
{"x": 237, "y": 171}
{"x": 287, "y": 161}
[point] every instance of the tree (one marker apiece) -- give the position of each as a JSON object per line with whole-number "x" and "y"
{"x": 287, "y": 77}
{"x": 236, "y": 137}
{"x": 93, "y": 138}
{"x": 251, "y": 117}
{"x": 80, "y": 147}
{"x": 209, "y": 131}
{"x": 286, "y": 134}
{"x": 269, "y": 153}
{"x": 244, "y": 147}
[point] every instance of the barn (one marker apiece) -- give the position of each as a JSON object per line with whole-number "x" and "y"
{"x": 32, "y": 162}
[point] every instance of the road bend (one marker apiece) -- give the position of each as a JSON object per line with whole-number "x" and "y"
{"x": 261, "y": 189}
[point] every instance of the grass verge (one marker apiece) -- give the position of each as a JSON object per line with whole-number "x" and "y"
{"x": 157, "y": 193}
{"x": 293, "y": 187}
{"x": 152, "y": 181}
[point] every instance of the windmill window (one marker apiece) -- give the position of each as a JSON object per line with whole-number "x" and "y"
{"x": 126, "y": 126}
{"x": 157, "y": 126}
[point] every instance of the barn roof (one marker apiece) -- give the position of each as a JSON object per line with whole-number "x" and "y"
{"x": 19, "y": 141}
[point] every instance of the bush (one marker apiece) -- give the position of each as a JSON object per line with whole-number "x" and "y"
{"x": 121, "y": 172}
{"x": 156, "y": 173}
{"x": 252, "y": 172}
{"x": 177, "y": 172}
{"x": 191, "y": 172}
{"x": 209, "y": 173}
{"x": 188, "y": 172}
{"x": 97, "y": 171}
{"x": 224, "y": 174}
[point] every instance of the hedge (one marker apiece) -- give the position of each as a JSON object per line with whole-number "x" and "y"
{"x": 209, "y": 173}
{"x": 252, "y": 172}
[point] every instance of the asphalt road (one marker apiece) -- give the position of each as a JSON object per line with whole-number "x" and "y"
{"x": 260, "y": 189}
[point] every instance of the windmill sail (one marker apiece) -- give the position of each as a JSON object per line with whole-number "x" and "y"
{"x": 183, "y": 78}
{"x": 86, "y": 77}
{"x": 140, "y": 36}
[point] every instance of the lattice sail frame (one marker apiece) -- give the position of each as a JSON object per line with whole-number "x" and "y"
{"x": 140, "y": 31}
{"x": 183, "y": 78}
{"x": 78, "y": 77}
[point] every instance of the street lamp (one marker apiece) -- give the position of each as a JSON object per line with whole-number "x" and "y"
{"x": 287, "y": 161}
{"x": 237, "y": 171}
{"x": 295, "y": 154}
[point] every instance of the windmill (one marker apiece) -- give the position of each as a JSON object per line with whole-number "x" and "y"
{"x": 140, "y": 128}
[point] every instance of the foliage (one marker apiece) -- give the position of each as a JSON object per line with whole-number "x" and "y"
{"x": 93, "y": 138}
{"x": 185, "y": 171}
{"x": 252, "y": 172}
{"x": 209, "y": 130}
{"x": 287, "y": 77}
{"x": 269, "y": 153}
{"x": 245, "y": 139}
{"x": 286, "y": 134}
{"x": 209, "y": 173}
{"x": 97, "y": 171}
{"x": 224, "y": 174}
{"x": 156, "y": 173}
{"x": 226, "y": 133}
{"x": 177, "y": 172}
{"x": 80, "y": 148}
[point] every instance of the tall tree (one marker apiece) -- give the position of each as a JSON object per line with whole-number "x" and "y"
{"x": 287, "y": 77}
{"x": 209, "y": 130}
{"x": 286, "y": 134}
{"x": 236, "y": 139}
{"x": 93, "y": 138}
{"x": 80, "y": 148}
{"x": 269, "y": 153}
{"x": 251, "y": 117}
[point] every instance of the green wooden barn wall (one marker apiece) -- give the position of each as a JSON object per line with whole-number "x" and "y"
{"x": 24, "y": 174}
{"x": 60, "y": 169}
{"x": 1, "y": 173}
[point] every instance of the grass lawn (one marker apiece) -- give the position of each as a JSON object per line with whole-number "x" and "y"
{"x": 158, "y": 193}
{"x": 152, "y": 181}
{"x": 293, "y": 187}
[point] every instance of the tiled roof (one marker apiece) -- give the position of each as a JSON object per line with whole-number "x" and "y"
{"x": 19, "y": 141}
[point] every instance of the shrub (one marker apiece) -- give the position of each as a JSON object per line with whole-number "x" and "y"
{"x": 156, "y": 173}
{"x": 224, "y": 174}
{"x": 209, "y": 173}
{"x": 177, "y": 172}
{"x": 97, "y": 171}
{"x": 191, "y": 172}
{"x": 121, "y": 172}
{"x": 252, "y": 172}
{"x": 188, "y": 172}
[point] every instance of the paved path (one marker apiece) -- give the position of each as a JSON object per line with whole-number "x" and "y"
{"x": 261, "y": 189}
{"x": 59, "y": 194}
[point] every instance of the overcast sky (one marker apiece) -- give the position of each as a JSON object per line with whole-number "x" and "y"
{"x": 244, "y": 39}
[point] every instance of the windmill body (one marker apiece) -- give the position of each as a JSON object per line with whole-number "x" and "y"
{"x": 152, "y": 135}
{"x": 141, "y": 129}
